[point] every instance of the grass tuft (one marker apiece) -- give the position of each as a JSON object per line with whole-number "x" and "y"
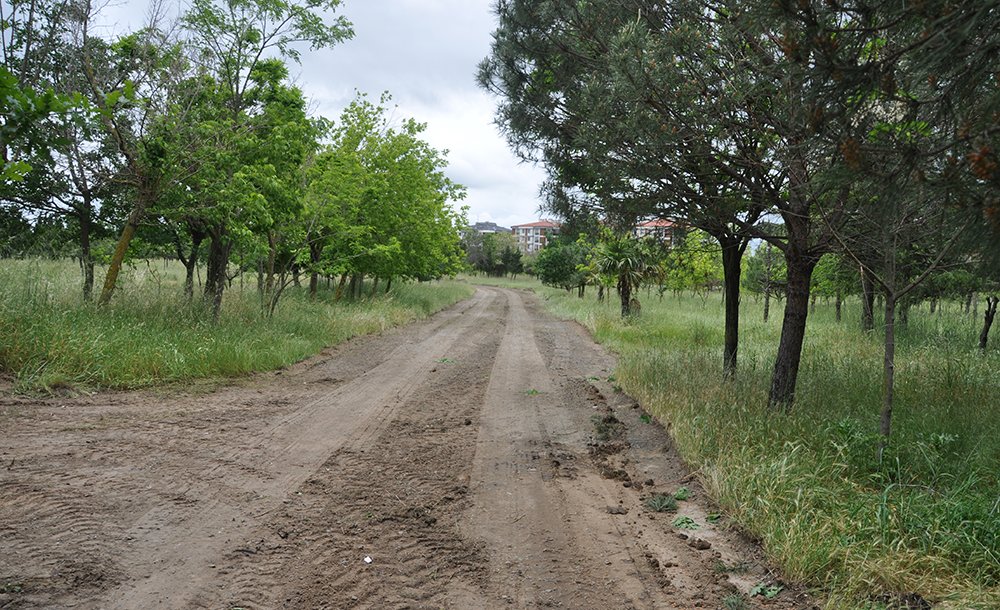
{"x": 661, "y": 503}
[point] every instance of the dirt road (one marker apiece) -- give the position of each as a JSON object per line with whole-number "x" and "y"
{"x": 481, "y": 459}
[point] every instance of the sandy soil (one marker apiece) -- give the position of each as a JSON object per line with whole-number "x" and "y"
{"x": 480, "y": 459}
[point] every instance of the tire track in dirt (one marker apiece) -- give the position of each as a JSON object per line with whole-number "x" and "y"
{"x": 103, "y": 491}
{"x": 712, "y": 566}
{"x": 69, "y": 536}
{"x": 549, "y": 537}
{"x": 395, "y": 496}
{"x": 64, "y": 523}
{"x": 229, "y": 498}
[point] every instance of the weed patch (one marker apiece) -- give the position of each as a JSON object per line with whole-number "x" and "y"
{"x": 661, "y": 503}
{"x": 607, "y": 427}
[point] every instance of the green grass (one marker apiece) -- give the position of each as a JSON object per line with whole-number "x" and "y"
{"x": 661, "y": 503}
{"x": 150, "y": 335}
{"x": 926, "y": 519}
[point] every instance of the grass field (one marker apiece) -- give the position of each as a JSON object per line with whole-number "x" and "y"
{"x": 925, "y": 520}
{"x": 150, "y": 334}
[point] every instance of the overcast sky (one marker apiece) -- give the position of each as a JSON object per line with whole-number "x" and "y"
{"x": 425, "y": 53}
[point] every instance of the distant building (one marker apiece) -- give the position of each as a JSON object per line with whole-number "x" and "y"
{"x": 482, "y": 228}
{"x": 661, "y": 230}
{"x": 489, "y": 227}
{"x": 533, "y": 236}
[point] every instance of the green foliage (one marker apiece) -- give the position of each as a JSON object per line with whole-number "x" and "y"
{"x": 495, "y": 254}
{"x": 510, "y": 259}
{"x": 694, "y": 264}
{"x": 22, "y": 110}
{"x": 818, "y": 115}
{"x": 237, "y": 33}
{"x": 378, "y": 200}
{"x": 203, "y": 140}
{"x": 835, "y": 275}
{"x": 562, "y": 265}
{"x": 627, "y": 261}
{"x": 684, "y": 522}
{"x": 199, "y": 131}
{"x": 766, "y": 591}
{"x": 765, "y": 271}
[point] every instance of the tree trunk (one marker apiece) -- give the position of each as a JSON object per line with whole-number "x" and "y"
{"x": 812, "y": 304}
{"x": 189, "y": 261}
{"x": 86, "y": 259}
{"x": 934, "y": 303}
{"x": 793, "y": 332}
{"x": 732, "y": 254}
{"x": 388, "y": 285}
{"x": 839, "y": 305}
{"x": 313, "y": 284}
{"x": 991, "y": 312}
{"x": 215, "y": 272}
{"x": 625, "y": 293}
{"x": 189, "y": 268}
{"x": 600, "y": 293}
{"x": 145, "y": 179}
{"x": 315, "y": 252}
{"x": 124, "y": 240}
{"x": 340, "y": 287}
{"x": 867, "y": 301}
{"x": 767, "y": 305}
{"x": 374, "y": 288}
{"x": 904, "y": 312}
{"x": 272, "y": 255}
{"x": 888, "y": 372}
{"x": 968, "y": 301}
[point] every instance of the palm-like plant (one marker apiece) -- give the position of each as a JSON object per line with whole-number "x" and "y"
{"x": 623, "y": 257}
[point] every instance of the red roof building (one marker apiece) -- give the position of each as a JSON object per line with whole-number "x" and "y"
{"x": 658, "y": 228}
{"x": 533, "y": 236}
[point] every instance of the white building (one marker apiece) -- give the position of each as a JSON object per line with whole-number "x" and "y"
{"x": 661, "y": 230}
{"x": 533, "y": 236}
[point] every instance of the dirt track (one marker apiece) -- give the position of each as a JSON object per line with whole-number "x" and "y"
{"x": 459, "y": 455}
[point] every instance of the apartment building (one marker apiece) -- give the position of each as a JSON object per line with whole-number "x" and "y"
{"x": 533, "y": 236}
{"x": 661, "y": 230}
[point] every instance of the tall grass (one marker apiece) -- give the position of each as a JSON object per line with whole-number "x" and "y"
{"x": 925, "y": 519}
{"x": 150, "y": 334}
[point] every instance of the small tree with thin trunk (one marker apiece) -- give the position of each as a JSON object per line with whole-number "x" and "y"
{"x": 991, "y": 311}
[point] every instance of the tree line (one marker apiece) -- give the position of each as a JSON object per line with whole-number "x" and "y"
{"x": 863, "y": 129}
{"x": 189, "y": 139}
